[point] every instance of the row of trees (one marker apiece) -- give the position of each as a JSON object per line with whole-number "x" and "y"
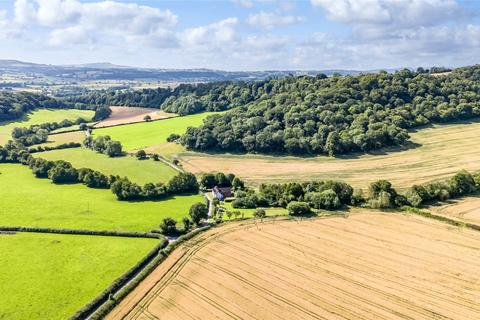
{"x": 219, "y": 179}
{"x": 183, "y": 99}
{"x": 301, "y": 198}
{"x": 104, "y": 144}
{"x": 62, "y": 172}
{"x": 337, "y": 115}
{"x": 183, "y": 183}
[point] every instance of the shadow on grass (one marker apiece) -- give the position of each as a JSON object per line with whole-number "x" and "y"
{"x": 348, "y": 156}
{"x": 169, "y": 197}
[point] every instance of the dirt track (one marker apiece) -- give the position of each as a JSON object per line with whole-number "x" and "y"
{"x": 124, "y": 115}
{"x": 369, "y": 266}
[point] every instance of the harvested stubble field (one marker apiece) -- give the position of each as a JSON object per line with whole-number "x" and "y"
{"x": 124, "y": 115}
{"x": 442, "y": 151}
{"x": 369, "y": 266}
{"x": 466, "y": 209}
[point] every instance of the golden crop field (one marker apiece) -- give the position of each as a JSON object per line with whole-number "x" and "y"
{"x": 370, "y": 265}
{"x": 466, "y": 209}
{"x": 440, "y": 151}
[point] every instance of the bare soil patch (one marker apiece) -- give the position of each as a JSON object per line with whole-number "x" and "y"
{"x": 125, "y": 115}
{"x": 369, "y": 266}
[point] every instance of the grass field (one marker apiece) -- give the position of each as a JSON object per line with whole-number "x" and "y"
{"x": 66, "y": 137}
{"x": 441, "y": 152}
{"x": 51, "y": 276}
{"x": 465, "y": 209}
{"x": 139, "y": 171}
{"x": 150, "y": 134}
{"x": 41, "y": 116}
{"x": 248, "y": 213}
{"x": 28, "y": 201}
{"x": 369, "y": 266}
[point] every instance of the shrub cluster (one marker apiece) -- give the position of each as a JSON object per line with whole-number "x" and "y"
{"x": 329, "y": 194}
{"x": 67, "y": 145}
{"x": 39, "y": 133}
{"x": 102, "y": 113}
{"x": 183, "y": 183}
{"x": 461, "y": 184}
{"x": 62, "y": 172}
{"x": 210, "y": 180}
{"x": 104, "y": 144}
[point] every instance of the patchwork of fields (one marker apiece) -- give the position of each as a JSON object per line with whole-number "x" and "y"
{"x": 369, "y": 266}
{"x": 29, "y": 201}
{"x": 139, "y": 171}
{"x": 148, "y": 134}
{"x": 51, "y": 276}
{"x": 41, "y": 116}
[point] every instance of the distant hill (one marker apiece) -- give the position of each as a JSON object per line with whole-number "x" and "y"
{"x": 108, "y": 71}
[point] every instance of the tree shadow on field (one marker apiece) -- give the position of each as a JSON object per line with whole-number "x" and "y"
{"x": 409, "y": 145}
{"x": 348, "y": 156}
{"x": 169, "y": 197}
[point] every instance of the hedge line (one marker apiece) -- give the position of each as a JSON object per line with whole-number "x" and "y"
{"x": 69, "y": 145}
{"x": 105, "y": 296}
{"x": 84, "y": 232}
{"x": 430, "y": 215}
{"x": 99, "y": 311}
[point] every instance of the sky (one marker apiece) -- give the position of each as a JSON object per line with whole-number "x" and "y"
{"x": 243, "y": 34}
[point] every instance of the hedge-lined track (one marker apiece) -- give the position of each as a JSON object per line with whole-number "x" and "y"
{"x": 372, "y": 265}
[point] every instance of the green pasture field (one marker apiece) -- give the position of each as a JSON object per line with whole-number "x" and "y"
{"x": 51, "y": 276}
{"x": 29, "y": 201}
{"x": 248, "y": 213}
{"x": 147, "y": 134}
{"x": 139, "y": 171}
{"x": 41, "y": 116}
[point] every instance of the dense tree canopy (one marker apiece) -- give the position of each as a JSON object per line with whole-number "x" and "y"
{"x": 14, "y": 104}
{"x": 319, "y": 115}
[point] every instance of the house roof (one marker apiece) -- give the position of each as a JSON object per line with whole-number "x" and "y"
{"x": 225, "y": 191}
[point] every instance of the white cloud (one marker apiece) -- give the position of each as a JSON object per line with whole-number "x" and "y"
{"x": 382, "y": 18}
{"x": 70, "y": 36}
{"x": 72, "y": 21}
{"x": 243, "y": 3}
{"x": 269, "y": 20}
{"x": 216, "y": 33}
